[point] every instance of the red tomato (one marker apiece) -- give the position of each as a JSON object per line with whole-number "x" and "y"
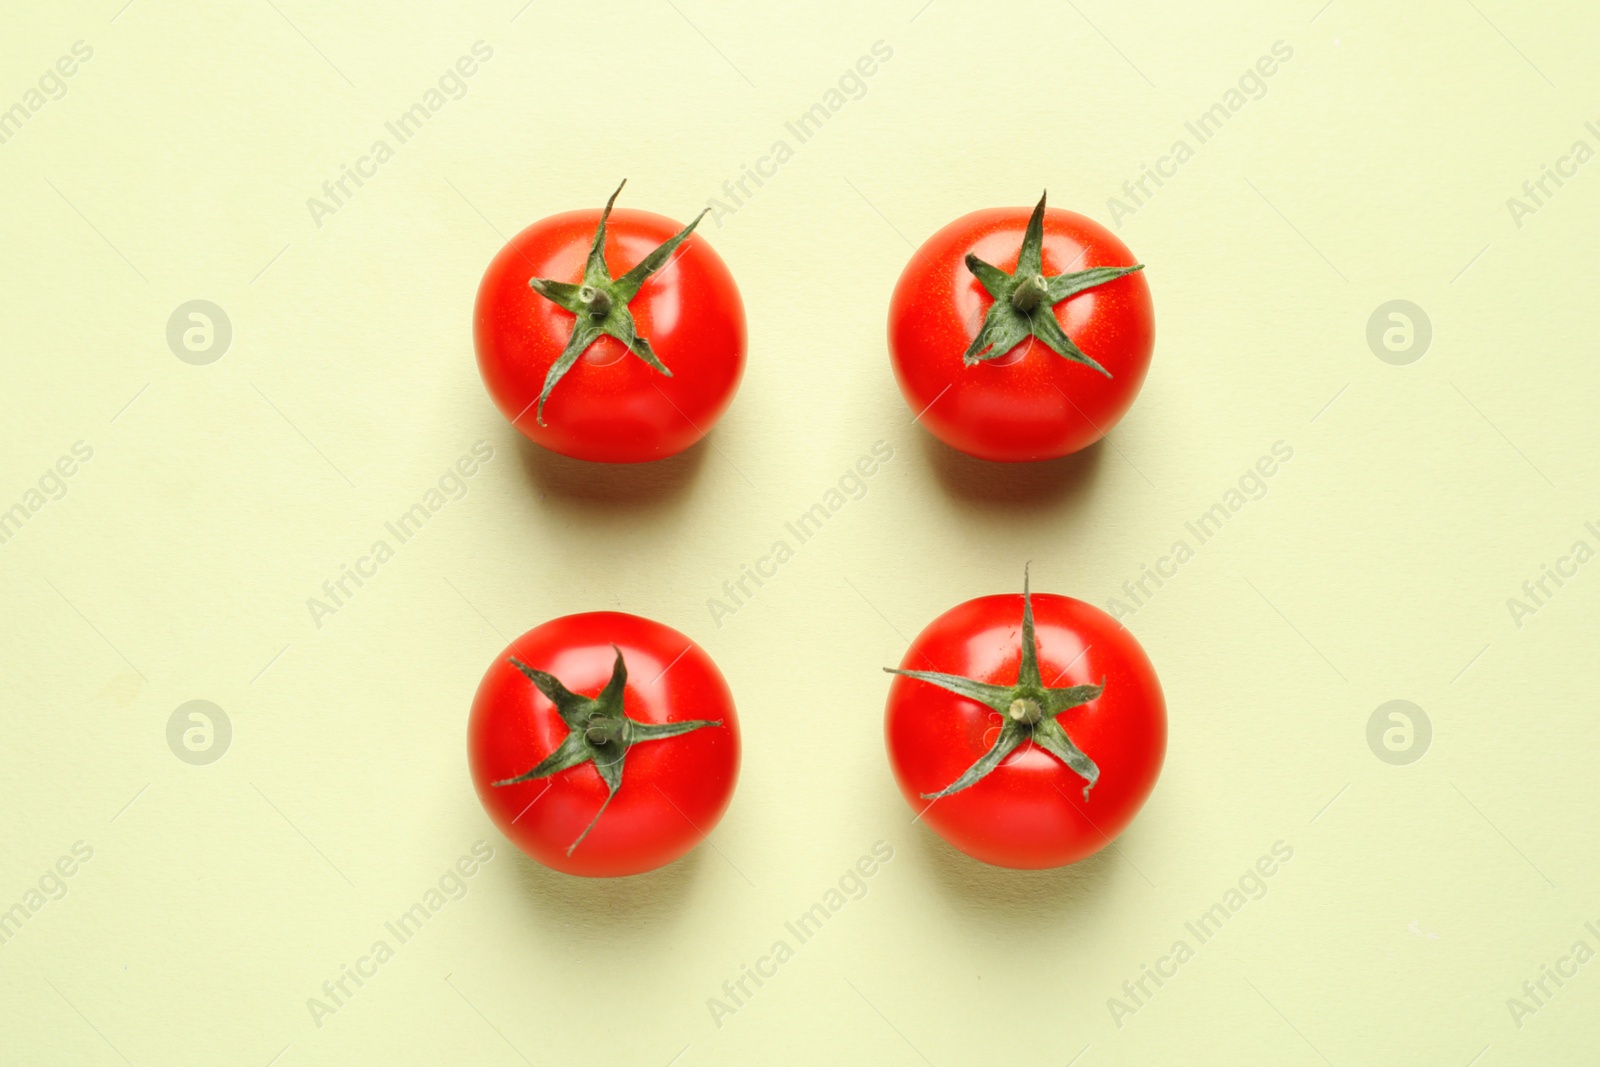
{"x": 1046, "y": 757}
{"x": 604, "y": 744}
{"x": 635, "y": 341}
{"x": 1037, "y": 385}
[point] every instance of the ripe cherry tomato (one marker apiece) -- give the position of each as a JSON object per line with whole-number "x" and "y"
{"x": 604, "y": 744}
{"x": 1026, "y": 742}
{"x": 979, "y": 354}
{"x": 610, "y": 336}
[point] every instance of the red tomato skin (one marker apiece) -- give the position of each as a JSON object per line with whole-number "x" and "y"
{"x": 1030, "y": 811}
{"x": 611, "y": 407}
{"x": 1030, "y": 404}
{"x": 673, "y": 791}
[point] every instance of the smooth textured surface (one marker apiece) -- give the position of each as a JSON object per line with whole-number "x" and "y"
{"x": 1374, "y": 564}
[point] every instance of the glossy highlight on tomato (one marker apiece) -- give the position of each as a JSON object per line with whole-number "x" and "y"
{"x": 604, "y": 744}
{"x": 1018, "y": 773}
{"x": 996, "y": 384}
{"x": 660, "y": 342}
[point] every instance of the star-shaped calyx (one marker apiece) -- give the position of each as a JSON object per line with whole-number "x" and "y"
{"x": 1027, "y": 710}
{"x": 600, "y": 302}
{"x": 1023, "y": 300}
{"x": 600, "y": 732}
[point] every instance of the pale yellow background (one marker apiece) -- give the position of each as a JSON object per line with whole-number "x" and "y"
{"x": 178, "y": 565}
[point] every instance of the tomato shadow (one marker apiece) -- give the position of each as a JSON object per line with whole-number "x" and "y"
{"x": 980, "y": 482}
{"x": 609, "y": 486}
{"x": 587, "y": 911}
{"x": 999, "y": 894}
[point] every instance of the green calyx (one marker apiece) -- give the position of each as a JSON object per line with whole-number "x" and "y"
{"x": 599, "y": 732}
{"x": 1023, "y": 301}
{"x": 600, "y": 302}
{"x": 1027, "y": 711}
